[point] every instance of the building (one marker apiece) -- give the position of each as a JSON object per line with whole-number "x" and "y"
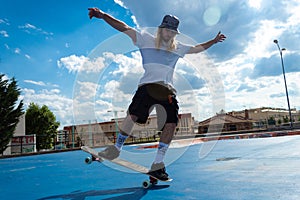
{"x": 225, "y": 122}
{"x": 104, "y": 133}
{"x": 267, "y": 117}
{"x": 249, "y": 119}
{"x": 21, "y": 143}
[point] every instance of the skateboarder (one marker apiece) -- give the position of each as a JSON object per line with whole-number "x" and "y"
{"x": 159, "y": 54}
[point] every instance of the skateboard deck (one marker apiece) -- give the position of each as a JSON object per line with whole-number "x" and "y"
{"x": 129, "y": 165}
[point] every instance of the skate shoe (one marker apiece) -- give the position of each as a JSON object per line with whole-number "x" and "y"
{"x": 158, "y": 170}
{"x": 110, "y": 153}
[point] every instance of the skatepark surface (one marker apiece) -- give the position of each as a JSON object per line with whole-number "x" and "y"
{"x": 237, "y": 169}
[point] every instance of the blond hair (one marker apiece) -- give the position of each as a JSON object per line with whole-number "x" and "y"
{"x": 158, "y": 41}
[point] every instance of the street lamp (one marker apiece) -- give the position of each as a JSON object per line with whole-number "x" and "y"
{"x": 286, "y": 90}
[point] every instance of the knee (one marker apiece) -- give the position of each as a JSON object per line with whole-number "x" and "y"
{"x": 133, "y": 118}
{"x": 169, "y": 128}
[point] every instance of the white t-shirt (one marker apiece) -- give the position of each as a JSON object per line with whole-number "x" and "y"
{"x": 159, "y": 64}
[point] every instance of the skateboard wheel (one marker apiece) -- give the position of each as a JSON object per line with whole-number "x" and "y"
{"x": 146, "y": 184}
{"x": 88, "y": 160}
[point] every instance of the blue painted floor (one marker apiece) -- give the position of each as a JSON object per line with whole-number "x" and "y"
{"x": 265, "y": 168}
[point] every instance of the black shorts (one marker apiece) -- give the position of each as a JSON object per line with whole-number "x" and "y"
{"x": 153, "y": 95}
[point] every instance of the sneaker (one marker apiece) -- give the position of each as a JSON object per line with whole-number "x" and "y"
{"x": 110, "y": 153}
{"x": 158, "y": 170}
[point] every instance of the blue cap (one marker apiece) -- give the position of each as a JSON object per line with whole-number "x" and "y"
{"x": 170, "y": 22}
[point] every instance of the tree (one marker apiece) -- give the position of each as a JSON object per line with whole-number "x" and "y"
{"x": 286, "y": 119}
{"x": 271, "y": 121}
{"x": 222, "y": 112}
{"x": 10, "y": 110}
{"x": 42, "y": 122}
{"x": 279, "y": 121}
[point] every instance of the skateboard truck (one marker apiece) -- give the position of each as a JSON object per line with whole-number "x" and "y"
{"x": 151, "y": 181}
{"x": 88, "y": 160}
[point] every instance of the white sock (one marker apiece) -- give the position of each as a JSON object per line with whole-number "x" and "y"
{"x": 161, "y": 152}
{"x": 120, "y": 141}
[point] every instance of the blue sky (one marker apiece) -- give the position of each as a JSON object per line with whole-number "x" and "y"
{"x": 81, "y": 68}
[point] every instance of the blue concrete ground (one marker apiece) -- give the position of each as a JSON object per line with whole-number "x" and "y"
{"x": 265, "y": 168}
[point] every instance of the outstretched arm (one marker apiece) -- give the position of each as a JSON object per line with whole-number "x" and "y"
{"x": 201, "y": 47}
{"x": 113, "y": 22}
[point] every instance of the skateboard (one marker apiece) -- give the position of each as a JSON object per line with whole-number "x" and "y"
{"x": 130, "y": 165}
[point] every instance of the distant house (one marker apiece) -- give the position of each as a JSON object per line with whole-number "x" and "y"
{"x": 21, "y": 143}
{"x": 104, "y": 133}
{"x": 224, "y": 123}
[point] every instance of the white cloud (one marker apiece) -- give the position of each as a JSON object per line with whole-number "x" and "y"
{"x": 6, "y": 46}
{"x": 85, "y": 90}
{"x": 268, "y": 91}
{"x": 81, "y": 64}
{"x": 127, "y": 64}
{"x": 262, "y": 39}
{"x": 108, "y": 87}
{"x": 4, "y": 33}
{"x": 17, "y": 50}
{"x": 254, "y": 3}
{"x": 27, "y": 56}
{"x": 4, "y": 21}
{"x": 120, "y": 3}
{"x": 292, "y": 7}
{"x": 31, "y": 29}
{"x": 40, "y": 83}
{"x": 84, "y": 101}
{"x": 60, "y": 105}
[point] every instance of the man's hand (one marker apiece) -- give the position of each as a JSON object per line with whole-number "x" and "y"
{"x": 95, "y": 12}
{"x": 220, "y": 37}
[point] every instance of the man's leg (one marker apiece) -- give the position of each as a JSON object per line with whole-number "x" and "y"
{"x": 168, "y": 133}
{"x": 125, "y": 131}
{"x": 165, "y": 139}
{"x": 158, "y": 168}
{"x": 112, "y": 152}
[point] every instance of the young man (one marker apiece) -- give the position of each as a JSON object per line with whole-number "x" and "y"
{"x": 159, "y": 54}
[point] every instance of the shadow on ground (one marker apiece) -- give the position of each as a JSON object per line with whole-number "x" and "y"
{"x": 121, "y": 194}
